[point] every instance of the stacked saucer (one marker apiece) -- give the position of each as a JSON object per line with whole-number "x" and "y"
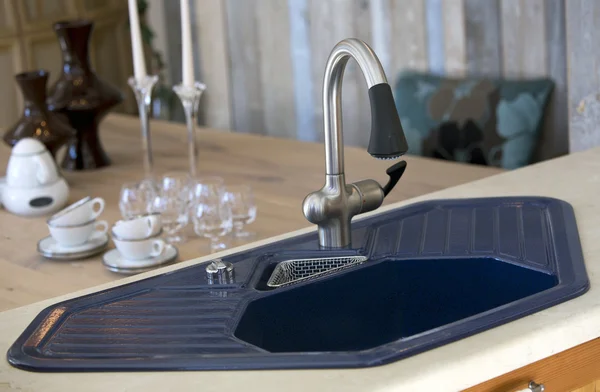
{"x": 139, "y": 247}
{"x": 75, "y": 233}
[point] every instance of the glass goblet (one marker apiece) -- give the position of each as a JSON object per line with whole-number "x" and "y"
{"x": 172, "y": 201}
{"x": 243, "y": 208}
{"x": 208, "y": 189}
{"x": 136, "y": 198}
{"x": 212, "y": 219}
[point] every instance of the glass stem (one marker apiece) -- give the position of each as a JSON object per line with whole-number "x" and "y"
{"x": 142, "y": 90}
{"x": 190, "y": 98}
{"x": 238, "y": 226}
{"x": 190, "y": 119}
{"x": 214, "y": 244}
{"x": 144, "y": 109}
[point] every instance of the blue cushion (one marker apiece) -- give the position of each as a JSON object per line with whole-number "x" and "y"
{"x": 494, "y": 122}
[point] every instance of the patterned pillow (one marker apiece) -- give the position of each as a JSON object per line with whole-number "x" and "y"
{"x": 483, "y": 121}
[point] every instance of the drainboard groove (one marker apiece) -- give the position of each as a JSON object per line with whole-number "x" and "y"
{"x": 124, "y": 330}
{"x": 110, "y": 346}
{"x": 135, "y": 352}
{"x": 76, "y": 335}
{"x": 146, "y": 312}
{"x": 166, "y": 307}
{"x": 102, "y": 321}
{"x": 170, "y": 300}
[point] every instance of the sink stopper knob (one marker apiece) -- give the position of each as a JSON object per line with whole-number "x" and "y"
{"x": 220, "y": 272}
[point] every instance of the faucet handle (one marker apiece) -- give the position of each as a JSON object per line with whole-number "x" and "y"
{"x": 395, "y": 172}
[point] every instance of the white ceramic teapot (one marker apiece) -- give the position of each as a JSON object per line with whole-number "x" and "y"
{"x": 33, "y": 184}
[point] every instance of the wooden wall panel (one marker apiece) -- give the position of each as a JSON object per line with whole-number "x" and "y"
{"x": 455, "y": 49}
{"x": 246, "y": 92}
{"x": 330, "y": 22}
{"x": 38, "y": 15}
{"x": 360, "y": 113}
{"x": 6, "y": 20}
{"x": 523, "y": 38}
{"x": 483, "y": 38}
{"x": 555, "y": 140}
{"x": 276, "y": 78}
{"x": 212, "y": 47}
{"x": 583, "y": 36}
{"x": 43, "y": 52}
{"x": 10, "y": 98}
{"x": 409, "y": 36}
{"x": 106, "y": 39}
{"x": 301, "y": 55}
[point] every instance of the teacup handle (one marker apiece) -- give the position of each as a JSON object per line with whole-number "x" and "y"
{"x": 97, "y": 207}
{"x": 157, "y": 248}
{"x": 150, "y": 227}
{"x": 101, "y": 226}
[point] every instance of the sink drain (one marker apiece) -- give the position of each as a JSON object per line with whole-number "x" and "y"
{"x": 295, "y": 271}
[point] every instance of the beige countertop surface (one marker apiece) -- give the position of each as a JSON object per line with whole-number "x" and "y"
{"x": 467, "y": 362}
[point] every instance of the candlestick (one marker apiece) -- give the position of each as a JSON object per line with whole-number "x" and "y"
{"x": 190, "y": 99}
{"x": 137, "y": 50}
{"x": 187, "y": 57}
{"x": 142, "y": 89}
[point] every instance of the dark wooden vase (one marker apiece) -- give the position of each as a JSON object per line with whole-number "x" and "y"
{"x": 37, "y": 122}
{"x": 83, "y": 97}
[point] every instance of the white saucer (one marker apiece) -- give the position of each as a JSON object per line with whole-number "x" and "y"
{"x": 50, "y": 249}
{"x": 114, "y": 262}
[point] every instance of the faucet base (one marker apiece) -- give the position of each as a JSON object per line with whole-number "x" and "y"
{"x": 333, "y": 206}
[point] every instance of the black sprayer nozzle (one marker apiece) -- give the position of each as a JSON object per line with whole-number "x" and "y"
{"x": 387, "y": 137}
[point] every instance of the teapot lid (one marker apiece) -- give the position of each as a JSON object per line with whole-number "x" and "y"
{"x": 28, "y": 146}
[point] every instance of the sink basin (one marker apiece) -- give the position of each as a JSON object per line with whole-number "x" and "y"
{"x": 436, "y": 272}
{"x": 389, "y": 300}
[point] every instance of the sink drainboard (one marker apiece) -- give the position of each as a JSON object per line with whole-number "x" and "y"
{"x": 295, "y": 271}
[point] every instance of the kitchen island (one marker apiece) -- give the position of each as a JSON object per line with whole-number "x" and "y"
{"x": 564, "y": 337}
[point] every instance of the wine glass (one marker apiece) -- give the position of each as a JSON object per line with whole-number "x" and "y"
{"x": 205, "y": 188}
{"x": 172, "y": 201}
{"x": 212, "y": 217}
{"x": 136, "y": 198}
{"x": 243, "y": 208}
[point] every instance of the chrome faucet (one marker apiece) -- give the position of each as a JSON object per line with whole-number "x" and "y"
{"x": 333, "y": 206}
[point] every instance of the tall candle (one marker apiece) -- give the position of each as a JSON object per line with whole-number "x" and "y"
{"x": 187, "y": 61}
{"x": 139, "y": 64}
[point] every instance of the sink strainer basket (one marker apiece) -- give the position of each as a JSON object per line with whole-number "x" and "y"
{"x": 295, "y": 271}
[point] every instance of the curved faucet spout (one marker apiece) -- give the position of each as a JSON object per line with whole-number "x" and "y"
{"x": 333, "y": 206}
{"x": 332, "y": 91}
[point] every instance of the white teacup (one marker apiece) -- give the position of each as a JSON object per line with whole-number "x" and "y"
{"x": 81, "y": 212}
{"x": 140, "y": 249}
{"x": 70, "y": 236}
{"x": 138, "y": 227}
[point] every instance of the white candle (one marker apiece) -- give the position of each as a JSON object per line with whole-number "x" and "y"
{"x": 187, "y": 57}
{"x": 139, "y": 64}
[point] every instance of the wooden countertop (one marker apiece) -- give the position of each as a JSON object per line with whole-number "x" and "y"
{"x": 281, "y": 172}
{"x": 451, "y": 367}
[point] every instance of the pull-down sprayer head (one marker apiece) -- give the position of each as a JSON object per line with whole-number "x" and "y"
{"x": 387, "y": 136}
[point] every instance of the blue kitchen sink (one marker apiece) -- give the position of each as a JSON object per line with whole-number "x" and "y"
{"x": 436, "y": 272}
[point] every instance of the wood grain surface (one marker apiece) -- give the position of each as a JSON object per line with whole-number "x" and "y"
{"x": 565, "y": 371}
{"x": 281, "y": 172}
